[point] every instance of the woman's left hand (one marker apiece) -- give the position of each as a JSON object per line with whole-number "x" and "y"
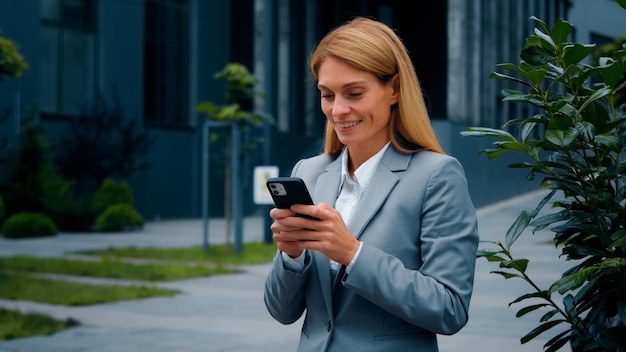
{"x": 328, "y": 235}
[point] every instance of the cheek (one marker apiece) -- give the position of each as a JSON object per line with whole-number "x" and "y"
{"x": 326, "y": 108}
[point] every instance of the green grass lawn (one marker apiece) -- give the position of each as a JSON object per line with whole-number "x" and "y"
{"x": 251, "y": 253}
{"x": 20, "y": 286}
{"x": 136, "y": 264}
{"x": 111, "y": 268}
{"x": 14, "y": 325}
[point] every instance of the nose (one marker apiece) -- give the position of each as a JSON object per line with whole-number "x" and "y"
{"x": 340, "y": 107}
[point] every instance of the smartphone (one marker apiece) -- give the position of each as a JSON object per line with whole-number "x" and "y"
{"x": 286, "y": 191}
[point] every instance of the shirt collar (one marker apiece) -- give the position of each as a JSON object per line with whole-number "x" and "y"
{"x": 363, "y": 174}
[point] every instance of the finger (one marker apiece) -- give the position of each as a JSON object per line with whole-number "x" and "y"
{"x": 306, "y": 210}
{"x": 276, "y": 213}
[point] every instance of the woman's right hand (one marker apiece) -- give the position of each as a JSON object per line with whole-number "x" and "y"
{"x": 283, "y": 241}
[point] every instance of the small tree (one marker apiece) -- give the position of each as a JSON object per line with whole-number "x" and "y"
{"x": 12, "y": 63}
{"x": 102, "y": 143}
{"x": 240, "y": 90}
{"x": 577, "y": 142}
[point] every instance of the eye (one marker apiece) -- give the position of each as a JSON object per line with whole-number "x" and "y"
{"x": 327, "y": 96}
{"x": 354, "y": 92}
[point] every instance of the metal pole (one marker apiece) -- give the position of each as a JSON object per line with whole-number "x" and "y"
{"x": 267, "y": 42}
{"x": 205, "y": 186}
{"x": 18, "y": 112}
{"x": 236, "y": 187}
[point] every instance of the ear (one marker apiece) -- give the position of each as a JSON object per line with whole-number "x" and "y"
{"x": 395, "y": 85}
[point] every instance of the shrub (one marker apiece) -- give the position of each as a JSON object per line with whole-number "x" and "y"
{"x": 72, "y": 213}
{"x": 28, "y": 224}
{"x": 111, "y": 193}
{"x": 576, "y": 141}
{"x": 118, "y": 217}
{"x": 29, "y": 179}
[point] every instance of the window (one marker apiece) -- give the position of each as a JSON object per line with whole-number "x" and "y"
{"x": 67, "y": 79}
{"x": 166, "y": 58}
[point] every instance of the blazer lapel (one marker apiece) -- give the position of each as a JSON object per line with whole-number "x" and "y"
{"x": 325, "y": 190}
{"x": 382, "y": 183}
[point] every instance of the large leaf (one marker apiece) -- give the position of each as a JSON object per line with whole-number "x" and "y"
{"x": 546, "y": 220}
{"x": 489, "y": 132}
{"x": 541, "y": 329}
{"x": 515, "y": 96}
{"x": 545, "y": 38}
{"x": 561, "y": 138}
{"x": 493, "y": 152}
{"x": 558, "y": 341}
{"x": 516, "y": 229}
{"x": 549, "y": 315}
{"x": 612, "y": 72}
{"x": 571, "y": 282}
{"x": 574, "y": 54}
{"x": 542, "y": 25}
{"x": 511, "y": 145}
{"x": 508, "y": 78}
{"x": 517, "y": 264}
{"x": 536, "y": 76}
{"x": 529, "y": 309}
{"x": 537, "y": 56}
{"x": 542, "y": 295}
{"x": 597, "y": 94}
{"x": 507, "y": 275}
{"x": 526, "y": 129}
{"x": 542, "y": 203}
{"x": 560, "y": 31}
{"x": 609, "y": 141}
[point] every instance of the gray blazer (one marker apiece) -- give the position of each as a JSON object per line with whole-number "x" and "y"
{"x": 414, "y": 276}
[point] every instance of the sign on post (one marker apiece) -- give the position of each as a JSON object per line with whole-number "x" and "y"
{"x": 261, "y": 174}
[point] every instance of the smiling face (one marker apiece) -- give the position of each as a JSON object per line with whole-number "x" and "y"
{"x": 357, "y": 105}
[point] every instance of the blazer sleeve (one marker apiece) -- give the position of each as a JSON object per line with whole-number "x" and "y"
{"x": 435, "y": 295}
{"x": 284, "y": 295}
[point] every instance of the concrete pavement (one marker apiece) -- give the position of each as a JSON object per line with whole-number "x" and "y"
{"x": 226, "y": 312}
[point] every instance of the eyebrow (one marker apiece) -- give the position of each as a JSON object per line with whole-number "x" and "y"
{"x": 347, "y": 85}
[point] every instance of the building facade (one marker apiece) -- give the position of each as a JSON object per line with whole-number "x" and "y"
{"x": 158, "y": 59}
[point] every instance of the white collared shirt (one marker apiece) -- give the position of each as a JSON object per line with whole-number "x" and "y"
{"x": 349, "y": 193}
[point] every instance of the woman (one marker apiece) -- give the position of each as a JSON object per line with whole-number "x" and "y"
{"x": 390, "y": 262}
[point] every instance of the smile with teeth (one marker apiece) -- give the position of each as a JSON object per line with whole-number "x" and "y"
{"x": 348, "y": 124}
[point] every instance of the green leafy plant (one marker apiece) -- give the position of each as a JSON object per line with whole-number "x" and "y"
{"x": 111, "y": 193}
{"x": 118, "y": 217}
{"x": 576, "y": 141}
{"x": 28, "y": 224}
{"x": 30, "y": 177}
{"x": 12, "y": 63}
{"x": 30, "y": 181}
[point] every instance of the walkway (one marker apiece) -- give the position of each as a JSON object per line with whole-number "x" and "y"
{"x": 226, "y": 313}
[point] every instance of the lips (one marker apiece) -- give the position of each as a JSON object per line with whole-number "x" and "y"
{"x": 347, "y": 124}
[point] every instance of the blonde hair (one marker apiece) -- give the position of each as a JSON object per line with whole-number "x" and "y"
{"x": 373, "y": 47}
